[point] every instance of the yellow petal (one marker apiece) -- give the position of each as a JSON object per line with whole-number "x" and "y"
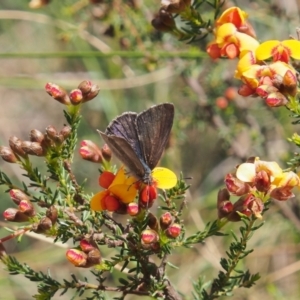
{"x": 165, "y": 178}
{"x": 126, "y": 193}
{"x": 264, "y": 51}
{"x": 95, "y": 203}
{"x": 123, "y": 178}
{"x": 246, "y": 172}
{"x": 294, "y": 47}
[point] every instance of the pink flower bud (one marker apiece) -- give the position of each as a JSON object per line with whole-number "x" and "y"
{"x": 66, "y": 131}
{"x": 149, "y": 236}
{"x": 17, "y": 196}
{"x": 133, "y": 209}
{"x": 87, "y": 245}
{"x": 106, "y": 152}
{"x": 85, "y": 86}
{"x": 165, "y": 220}
{"x": 32, "y": 148}
{"x": 26, "y": 207}
{"x": 77, "y": 257}
{"x": 174, "y": 230}
{"x": 13, "y": 215}
{"x": 58, "y": 93}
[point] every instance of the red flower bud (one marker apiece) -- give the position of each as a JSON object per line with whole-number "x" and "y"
{"x": 76, "y": 96}
{"x": 106, "y": 178}
{"x": 92, "y": 93}
{"x": 262, "y": 181}
{"x": 87, "y": 245}
{"x": 174, "y": 230}
{"x": 276, "y": 99}
{"x": 111, "y": 203}
{"x": 148, "y": 194}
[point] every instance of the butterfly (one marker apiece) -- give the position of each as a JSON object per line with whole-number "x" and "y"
{"x": 138, "y": 140}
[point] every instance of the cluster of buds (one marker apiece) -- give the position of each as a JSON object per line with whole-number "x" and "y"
{"x": 86, "y": 255}
{"x": 38, "y": 143}
{"x": 255, "y": 182}
{"x": 85, "y": 91}
{"x": 90, "y": 151}
{"x": 159, "y": 232}
{"x": 275, "y": 81}
{"x": 25, "y": 209}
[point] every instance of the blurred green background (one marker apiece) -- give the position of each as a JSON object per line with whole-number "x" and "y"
{"x": 113, "y": 44}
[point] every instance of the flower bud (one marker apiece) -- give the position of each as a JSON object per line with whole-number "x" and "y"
{"x": 111, "y": 203}
{"x": 282, "y": 193}
{"x": 152, "y": 222}
{"x": 26, "y": 207}
{"x": 52, "y": 214}
{"x": 36, "y": 136}
{"x": 14, "y": 215}
{"x": 276, "y": 99}
{"x": 106, "y": 178}
{"x": 32, "y": 148}
{"x": 76, "y": 96}
{"x": 92, "y": 94}
{"x": 94, "y": 257}
{"x": 236, "y": 186}
{"x": 165, "y": 220}
{"x": 77, "y": 257}
{"x": 148, "y": 194}
{"x": 87, "y": 245}
{"x": 149, "y": 236}
{"x": 66, "y": 131}
{"x": 44, "y": 225}
{"x": 58, "y": 93}
{"x": 264, "y": 90}
{"x": 133, "y": 209}
{"x": 90, "y": 151}
{"x": 17, "y": 196}
{"x": 163, "y": 21}
{"x": 174, "y": 230}
{"x": 7, "y": 155}
{"x": 85, "y": 86}
{"x": 51, "y": 132}
{"x": 16, "y": 146}
{"x": 224, "y": 205}
{"x": 290, "y": 83}
{"x": 262, "y": 181}
{"x": 106, "y": 152}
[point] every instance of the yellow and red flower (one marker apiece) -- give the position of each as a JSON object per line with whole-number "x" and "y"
{"x": 121, "y": 189}
{"x": 278, "y": 51}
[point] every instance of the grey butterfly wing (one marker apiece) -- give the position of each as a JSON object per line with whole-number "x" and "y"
{"x": 124, "y": 126}
{"x": 154, "y": 127}
{"x": 125, "y": 153}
